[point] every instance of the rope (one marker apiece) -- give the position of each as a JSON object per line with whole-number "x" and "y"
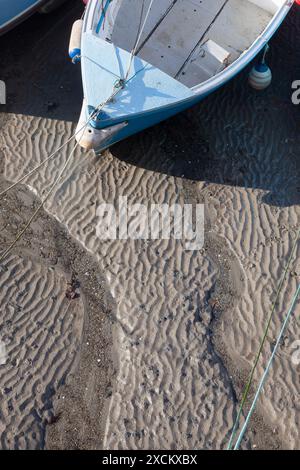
{"x": 266, "y": 50}
{"x": 93, "y": 113}
{"x": 103, "y": 15}
{"x": 161, "y": 19}
{"x": 250, "y": 379}
{"x": 46, "y": 197}
{"x": 263, "y": 379}
{"x": 2, "y": 193}
{"x": 41, "y": 205}
{"x": 133, "y": 52}
{"x": 116, "y": 89}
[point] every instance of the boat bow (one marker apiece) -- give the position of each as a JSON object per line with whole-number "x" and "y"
{"x": 146, "y": 90}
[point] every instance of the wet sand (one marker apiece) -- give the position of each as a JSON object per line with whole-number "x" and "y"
{"x": 163, "y": 337}
{"x": 51, "y": 291}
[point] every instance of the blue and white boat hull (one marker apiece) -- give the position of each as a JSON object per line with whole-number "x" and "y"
{"x": 94, "y": 136}
{"x": 149, "y": 95}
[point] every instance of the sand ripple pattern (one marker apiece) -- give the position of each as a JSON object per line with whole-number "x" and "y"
{"x": 41, "y": 340}
{"x": 260, "y": 139}
{"x": 168, "y": 370}
{"x": 173, "y": 389}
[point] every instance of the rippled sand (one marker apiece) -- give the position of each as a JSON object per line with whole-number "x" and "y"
{"x": 186, "y": 324}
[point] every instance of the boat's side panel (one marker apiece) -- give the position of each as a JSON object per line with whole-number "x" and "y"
{"x": 13, "y": 12}
{"x": 140, "y": 122}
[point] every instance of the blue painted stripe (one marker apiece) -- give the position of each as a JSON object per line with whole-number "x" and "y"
{"x": 102, "y": 16}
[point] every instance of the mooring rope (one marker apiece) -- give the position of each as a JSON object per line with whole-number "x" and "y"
{"x": 136, "y": 45}
{"x": 250, "y": 379}
{"x": 41, "y": 205}
{"x": 91, "y": 116}
{"x": 263, "y": 379}
{"x": 44, "y": 200}
{"x": 116, "y": 89}
{"x": 5, "y": 191}
{"x": 157, "y": 24}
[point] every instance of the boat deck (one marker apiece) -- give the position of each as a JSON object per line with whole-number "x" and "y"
{"x": 190, "y": 40}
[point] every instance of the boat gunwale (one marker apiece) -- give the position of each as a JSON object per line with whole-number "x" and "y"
{"x": 16, "y": 20}
{"x": 249, "y": 54}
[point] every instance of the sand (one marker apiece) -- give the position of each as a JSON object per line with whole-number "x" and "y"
{"x": 181, "y": 328}
{"x": 47, "y": 284}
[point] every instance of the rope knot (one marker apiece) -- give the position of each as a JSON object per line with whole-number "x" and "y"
{"x": 120, "y": 83}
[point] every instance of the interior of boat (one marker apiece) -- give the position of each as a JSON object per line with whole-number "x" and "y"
{"x": 190, "y": 40}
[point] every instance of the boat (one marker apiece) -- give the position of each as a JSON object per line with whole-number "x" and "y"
{"x": 143, "y": 61}
{"x": 13, "y": 12}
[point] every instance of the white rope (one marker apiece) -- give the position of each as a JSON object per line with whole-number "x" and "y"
{"x": 94, "y": 113}
{"x": 133, "y": 52}
{"x": 263, "y": 379}
{"x": 78, "y": 131}
{"x": 41, "y": 205}
{"x": 262, "y": 342}
{"x": 2, "y": 193}
{"x": 46, "y": 197}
